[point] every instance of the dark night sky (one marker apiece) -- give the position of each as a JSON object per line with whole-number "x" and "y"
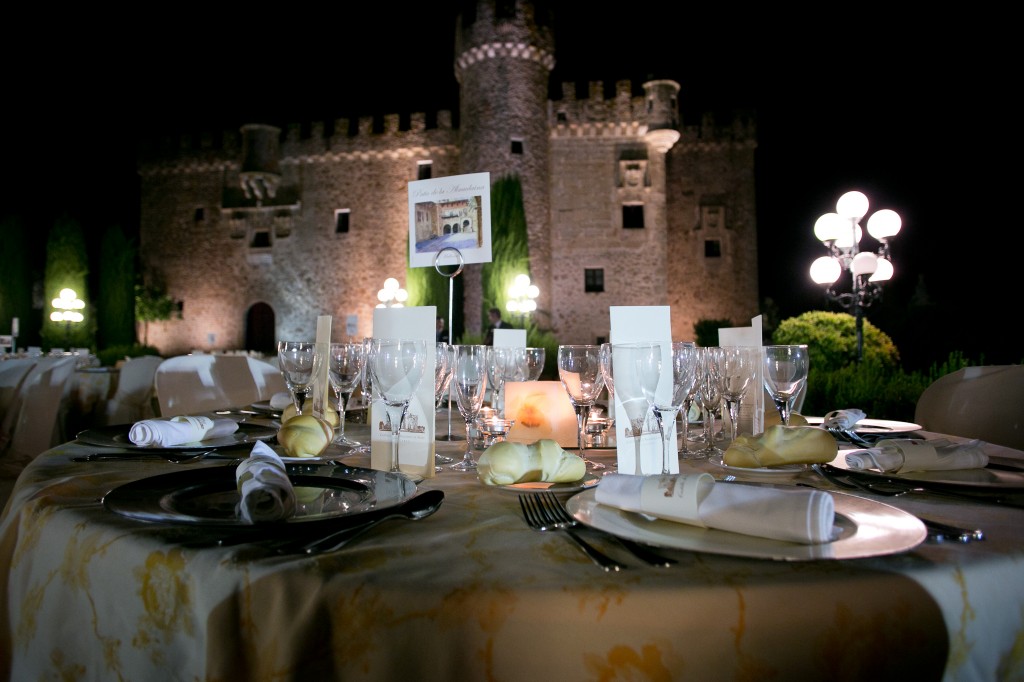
{"x": 915, "y": 118}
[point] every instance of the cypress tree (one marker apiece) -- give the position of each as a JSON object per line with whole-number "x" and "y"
{"x": 67, "y": 266}
{"x": 115, "y": 311}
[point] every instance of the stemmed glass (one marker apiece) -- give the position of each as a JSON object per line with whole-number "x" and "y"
{"x": 579, "y": 369}
{"x": 785, "y": 373}
{"x": 344, "y": 368}
{"x": 739, "y": 366}
{"x": 297, "y": 360}
{"x": 534, "y": 363}
{"x": 684, "y": 375}
{"x": 442, "y": 377}
{"x": 709, "y": 396}
{"x": 637, "y": 368}
{"x": 507, "y": 364}
{"x": 469, "y": 381}
{"x": 396, "y": 366}
{"x": 609, "y": 378}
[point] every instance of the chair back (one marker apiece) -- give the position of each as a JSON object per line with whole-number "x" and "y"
{"x": 38, "y": 426}
{"x": 268, "y": 377}
{"x": 976, "y": 402}
{"x": 13, "y": 373}
{"x": 190, "y": 384}
{"x": 132, "y": 400}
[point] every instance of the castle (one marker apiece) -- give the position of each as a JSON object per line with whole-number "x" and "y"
{"x": 260, "y": 230}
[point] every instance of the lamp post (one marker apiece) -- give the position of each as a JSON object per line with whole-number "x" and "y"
{"x": 841, "y": 233}
{"x": 392, "y": 295}
{"x": 66, "y": 308}
{"x": 522, "y": 297}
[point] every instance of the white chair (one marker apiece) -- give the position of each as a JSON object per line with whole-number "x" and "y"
{"x": 13, "y": 373}
{"x": 190, "y": 384}
{"x": 38, "y": 425}
{"x": 976, "y": 402}
{"x": 268, "y": 377}
{"x": 132, "y": 400}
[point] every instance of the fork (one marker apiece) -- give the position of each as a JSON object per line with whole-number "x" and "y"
{"x": 648, "y": 556}
{"x": 539, "y": 518}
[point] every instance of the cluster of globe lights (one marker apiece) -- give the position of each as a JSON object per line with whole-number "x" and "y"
{"x": 522, "y": 296}
{"x": 67, "y": 305}
{"x": 392, "y": 295}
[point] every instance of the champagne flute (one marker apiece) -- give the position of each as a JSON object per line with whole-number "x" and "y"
{"x": 785, "y": 374}
{"x": 637, "y": 369}
{"x": 297, "y": 360}
{"x": 442, "y": 378}
{"x": 709, "y": 395}
{"x": 469, "y": 381}
{"x": 739, "y": 366}
{"x": 396, "y": 366}
{"x": 344, "y": 368}
{"x": 579, "y": 369}
{"x": 609, "y": 380}
{"x": 684, "y": 375}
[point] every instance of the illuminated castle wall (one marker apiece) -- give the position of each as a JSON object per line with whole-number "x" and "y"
{"x": 618, "y": 195}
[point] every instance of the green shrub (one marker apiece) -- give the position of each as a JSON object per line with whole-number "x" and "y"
{"x": 705, "y": 332}
{"x": 109, "y": 357}
{"x": 831, "y": 340}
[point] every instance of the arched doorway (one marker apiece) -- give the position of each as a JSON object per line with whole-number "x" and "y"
{"x": 259, "y": 329}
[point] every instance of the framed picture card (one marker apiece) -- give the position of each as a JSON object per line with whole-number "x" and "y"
{"x": 449, "y": 215}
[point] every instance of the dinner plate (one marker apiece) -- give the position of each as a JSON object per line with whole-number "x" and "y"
{"x": 867, "y": 529}
{"x": 116, "y": 436}
{"x": 874, "y": 426}
{"x": 781, "y": 470}
{"x": 1000, "y": 474}
{"x": 263, "y": 407}
{"x": 588, "y": 481}
{"x": 207, "y": 496}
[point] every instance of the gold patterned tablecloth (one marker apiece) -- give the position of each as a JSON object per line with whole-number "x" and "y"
{"x": 472, "y": 593}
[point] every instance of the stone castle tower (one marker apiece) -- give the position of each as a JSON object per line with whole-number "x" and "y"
{"x": 258, "y": 231}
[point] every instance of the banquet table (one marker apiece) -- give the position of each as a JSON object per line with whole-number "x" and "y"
{"x": 472, "y": 593}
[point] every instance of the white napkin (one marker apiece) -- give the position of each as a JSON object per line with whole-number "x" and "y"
{"x": 179, "y": 430}
{"x": 263, "y": 484}
{"x": 843, "y": 419}
{"x": 280, "y": 400}
{"x": 900, "y": 455}
{"x": 797, "y": 515}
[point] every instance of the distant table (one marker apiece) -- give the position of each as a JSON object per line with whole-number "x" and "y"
{"x": 472, "y": 593}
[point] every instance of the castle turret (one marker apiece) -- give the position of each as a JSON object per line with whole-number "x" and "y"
{"x": 504, "y": 53}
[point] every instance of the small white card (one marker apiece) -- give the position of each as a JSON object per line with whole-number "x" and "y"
{"x": 751, "y": 418}
{"x": 510, "y": 338}
{"x": 416, "y": 440}
{"x": 644, "y": 324}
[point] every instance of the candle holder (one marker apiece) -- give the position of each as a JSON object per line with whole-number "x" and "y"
{"x": 494, "y": 430}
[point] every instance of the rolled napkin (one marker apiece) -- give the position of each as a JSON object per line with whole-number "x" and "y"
{"x": 794, "y": 515}
{"x": 266, "y": 492}
{"x": 902, "y": 455}
{"x": 179, "y": 430}
{"x": 281, "y": 400}
{"x": 782, "y": 445}
{"x": 505, "y": 463}
{"x": 842, "y": 419}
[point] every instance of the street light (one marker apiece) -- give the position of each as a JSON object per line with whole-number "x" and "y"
{"x": 392, "y": 295}
{"x": 840, "y": 232}
{"x": 66, "y": 307}
{"x": 522, "y": 296}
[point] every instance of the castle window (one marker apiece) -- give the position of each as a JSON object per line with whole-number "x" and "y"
{"x": 200, "y": 215}
{"x": 593, "y": 280}
{"x": 424, "y": 170}
{"x": 517, "y": 146}
{"x": 712, "y": 248}
{"x": 562, "y": 117}
{"x": 633, "y": 216}
{"x": 260, "y": 239}
{"x": 341, "y": 218}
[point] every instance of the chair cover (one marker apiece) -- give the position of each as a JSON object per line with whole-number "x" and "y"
{"x": 976, "y": 402}
{"x": 191, "y": 384}
{"x": 38, "y": 425}
{"x": 132, "y": 400}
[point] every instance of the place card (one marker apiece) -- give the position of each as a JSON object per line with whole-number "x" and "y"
{"x": 644, "y": 324}
{"x": 416, "y": 451}
{"x": 751, "y": 417}
{"x": 541, "y": 409}
{"x": 510, "y": 338}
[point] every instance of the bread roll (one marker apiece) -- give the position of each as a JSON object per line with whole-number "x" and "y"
{"x": 305, "y": 436}
{"x": 330, "y": 414}
{"x": 782, "y": 445}
{"x": 505, "y": 463}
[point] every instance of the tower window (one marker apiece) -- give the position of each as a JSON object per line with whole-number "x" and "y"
{"x": 260, "y": 240}
{"x": 200, "y": 215}
{"x": 517, "y": 146}
{"x": 424, "y": 170}
{"x": 712, "y": 248}
{"x": 593, "y": 280}
{"x": 562, "y": 117}
{"x": 341, "y": 218}
{"x": 633, "y": 216}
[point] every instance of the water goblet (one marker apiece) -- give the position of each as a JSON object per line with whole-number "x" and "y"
{"x": 739, "y": 366}
{"x": 785, "y": 374}
{"x": 684, "y": 374}
{"x": 396, "y": 366}
{"x": 469, "y": 381}
{"x": 297, "y": 360}
{"x": 579, "y": 369}
{"x": 534, "y": 363}
{"x": 344, "y": 367}
{"x": 637, "y": 368}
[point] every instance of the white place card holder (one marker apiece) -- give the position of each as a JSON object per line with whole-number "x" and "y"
{"x": 644, "y": 324}
{"x": 751, "y": 418}
{"x": 416, "y": 453}
{"x": 510, "y": 338}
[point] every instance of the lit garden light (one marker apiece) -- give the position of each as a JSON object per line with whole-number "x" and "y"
{"x": 392, "y": 295}
{"x": 67, "y": 308}
{"x": 522, "y": 296}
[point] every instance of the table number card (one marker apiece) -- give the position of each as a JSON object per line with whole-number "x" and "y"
{"x": 416, "y": 453}
{"x": 644, "y": 324}
{"x": 541, "y": 409}
{"x": 510, "y": 338}
{"x": 751, "y": 418}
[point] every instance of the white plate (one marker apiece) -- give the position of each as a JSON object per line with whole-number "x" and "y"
{"x": 869, "y": 529}
{"x": 588, "y": 481}
{"x": 874, "y": 426}
{"x": 781, "y": 470}
{"x": 265, "y": 408}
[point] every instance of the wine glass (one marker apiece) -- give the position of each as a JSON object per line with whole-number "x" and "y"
{"x": 637, "y": 368}
{"x": 609, "y": 379}
{"x": 684, "y": 375}
{"x": 709, "y": 396}
{"x": 396, "y": 366}
{"x": 442, "y": 378}
{"x": 534, "y": 363}
{"x": 785, "y": 373}
{"x": 739, "y": 366}
{"x": 297, "y": 360}
{"x": 509, "y": 364}
{"x": 579, "y": 369}
{"x": 344, "y": 367}
{"x": 469, "y": 381}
